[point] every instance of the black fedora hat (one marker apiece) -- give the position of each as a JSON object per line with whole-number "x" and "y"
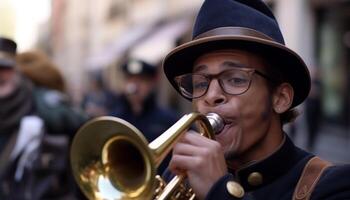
{"x": 7, "y": 53}
{"x": 239, "y": 24}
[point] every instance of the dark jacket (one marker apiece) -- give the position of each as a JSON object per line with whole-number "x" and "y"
{"x": 280, "y": 174}
{"x": 40, "y": 170}
{"x": 152, "y": 122}
{"x": 55, "y": 108}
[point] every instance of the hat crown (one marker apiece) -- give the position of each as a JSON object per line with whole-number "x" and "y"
{"x": 8, "y": 50}
{"x": 252, "y": 14}
{"x": 8, "y": 45}
{"x": 138, "y": 67}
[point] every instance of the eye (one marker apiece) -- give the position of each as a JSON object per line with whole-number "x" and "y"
{"x": 199, "y": 85}
{"x": 237, "y": 81}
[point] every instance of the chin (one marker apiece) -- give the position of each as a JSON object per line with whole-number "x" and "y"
{"x": 231, "y": 155}
{"x": 230, "y": 142}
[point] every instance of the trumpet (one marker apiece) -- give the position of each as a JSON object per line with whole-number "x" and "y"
{"x": 111, "y": 159}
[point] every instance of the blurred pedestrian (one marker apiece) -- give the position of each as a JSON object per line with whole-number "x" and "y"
{"x": 137, "y": 103}
{"x": 52, "y": 102}
{"x": 38, "y": 67}
{"x": 32, "y": 164}
{"x": 98, "y": 100}
{"x": 313, "y": 109}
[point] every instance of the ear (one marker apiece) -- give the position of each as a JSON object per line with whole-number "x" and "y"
{"x": 282, "y": 98}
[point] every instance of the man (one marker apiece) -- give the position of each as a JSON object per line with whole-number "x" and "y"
{"x": 20, "y": 129}
{"x": 238, "y": 67}
{"x": 137, "y": 104}
{"x": 14, "y": 101}
{"x": 33, "y": 164}
{"x": 313, "y": 109}
{"x": 98, "y": 100}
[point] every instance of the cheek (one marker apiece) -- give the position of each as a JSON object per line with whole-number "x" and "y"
{"x": 4, "y": 77}
{"x": 146, "y": 86}
{"x": 257, "y": 108}
{"x": 257, "y": 104}
{"x": 255, "y": 119}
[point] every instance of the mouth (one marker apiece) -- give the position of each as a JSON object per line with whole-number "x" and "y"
{"x": 227, "y": 125}
{"x": 131, "y": 89}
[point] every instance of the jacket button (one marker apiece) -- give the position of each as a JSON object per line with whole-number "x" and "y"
{"x": 235, "y": 189}
{"x": 255, "y": 179}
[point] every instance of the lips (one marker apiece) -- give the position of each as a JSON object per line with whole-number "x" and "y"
{"x": 227, "y": 125}
{"x": 228, "y": 121}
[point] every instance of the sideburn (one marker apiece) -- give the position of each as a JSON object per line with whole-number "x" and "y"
{"x": 265, "y": 115}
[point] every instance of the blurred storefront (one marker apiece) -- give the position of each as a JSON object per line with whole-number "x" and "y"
{"x": 92, "y": 35}
{"x": 319, "y": 30}
{"x": 333, "y": 45}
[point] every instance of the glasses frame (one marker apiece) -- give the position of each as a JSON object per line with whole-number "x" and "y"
{"x": 210, "y": 77}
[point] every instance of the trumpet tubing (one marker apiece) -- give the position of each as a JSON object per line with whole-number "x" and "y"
{"x": 111, "y": 159}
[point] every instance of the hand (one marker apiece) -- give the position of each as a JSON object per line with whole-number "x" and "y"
{"x": 202, "y": 159}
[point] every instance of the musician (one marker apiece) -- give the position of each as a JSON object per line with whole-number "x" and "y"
{"x": 238, "y": 66}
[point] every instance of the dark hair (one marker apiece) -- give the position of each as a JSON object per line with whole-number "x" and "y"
{"x": 37, "y": 66}
{"x": 277, "y": 78}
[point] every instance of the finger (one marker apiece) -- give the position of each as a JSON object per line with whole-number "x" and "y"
{"x": 195, "y": 139}
{"x": 180, "y": 163}
{"x": 187, "y": 149}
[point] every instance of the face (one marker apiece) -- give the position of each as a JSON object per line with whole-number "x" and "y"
{"x": 8, "y": 81}
{"x": 247, "y": 116}
{"x": 138, "y": 87}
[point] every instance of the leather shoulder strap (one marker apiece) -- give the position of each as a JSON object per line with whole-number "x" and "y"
{"x": 309, "y": 178}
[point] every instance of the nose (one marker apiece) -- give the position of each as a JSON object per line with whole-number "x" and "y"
{"x": 215, "y": 95}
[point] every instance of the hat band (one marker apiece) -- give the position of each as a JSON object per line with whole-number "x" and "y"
{"x": 233, "y": 31}
{"x": 6, "y": 56}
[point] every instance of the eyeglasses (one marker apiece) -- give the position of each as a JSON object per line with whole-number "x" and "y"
{"x": 233, "y": 81}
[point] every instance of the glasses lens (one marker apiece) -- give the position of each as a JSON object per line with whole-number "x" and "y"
{"x": 196, "y": 85}
{"x": 192, "y": 85}
{"x": 200, "y": 85}
{"x": 235, "y": 81}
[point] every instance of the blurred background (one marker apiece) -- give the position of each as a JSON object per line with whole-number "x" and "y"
{"x": 85, "y": 37}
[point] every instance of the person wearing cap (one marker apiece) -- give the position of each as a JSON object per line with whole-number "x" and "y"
{"x": 137, "y": 102}
{"x": 237, "y": 65}
{"x": 33, "y": 161}
{"x": 98, "y": 99}
{"x": 16, "y": 118}
{"x": 14, "y": 92}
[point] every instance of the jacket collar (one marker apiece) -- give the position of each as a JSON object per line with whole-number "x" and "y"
{"x": 148, "y": 104}
{"x": 260, "y": 173}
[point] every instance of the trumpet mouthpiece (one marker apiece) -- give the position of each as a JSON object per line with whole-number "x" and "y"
{"x": 216, "y": 122}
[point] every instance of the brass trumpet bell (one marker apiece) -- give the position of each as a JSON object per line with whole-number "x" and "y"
{"x": 98, "y": 146}
{"x": 111, "y": 159}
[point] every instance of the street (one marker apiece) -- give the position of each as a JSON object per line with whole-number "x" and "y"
{"x": 333, "y": 142}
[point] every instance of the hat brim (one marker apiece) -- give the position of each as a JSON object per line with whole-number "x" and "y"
{"x": 7, "y": 63}
{"x": 181, "y": 59}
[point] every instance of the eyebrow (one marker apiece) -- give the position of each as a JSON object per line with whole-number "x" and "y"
{"x": 224, "y": 64}
{"x": 232, "y": 64}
